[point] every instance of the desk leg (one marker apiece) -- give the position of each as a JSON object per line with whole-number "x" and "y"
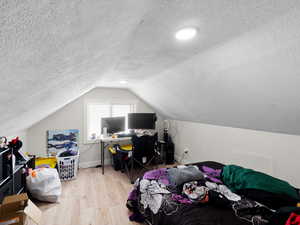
{"x": 102, "y": 156}
{"x": 131, "y": 170}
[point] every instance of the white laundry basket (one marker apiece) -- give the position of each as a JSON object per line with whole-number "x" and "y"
{"x": 67, "y": 167}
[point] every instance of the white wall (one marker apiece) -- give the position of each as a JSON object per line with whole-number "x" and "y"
{"x": 273, "y": 153}
{"x": 72, "y": 117}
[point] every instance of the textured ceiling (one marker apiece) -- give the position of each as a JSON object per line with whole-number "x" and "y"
{"x": 241, "y": 70}
{"x": 51, "y": 52}
{"x": 250, "y": 81}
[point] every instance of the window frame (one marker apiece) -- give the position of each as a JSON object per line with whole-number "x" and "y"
{"x": 95, "y": 102}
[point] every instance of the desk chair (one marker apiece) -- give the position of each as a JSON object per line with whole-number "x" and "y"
{"x": 142, "y": 147}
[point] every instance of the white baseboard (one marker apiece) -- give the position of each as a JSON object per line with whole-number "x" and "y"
{"x": 93, "y": 163}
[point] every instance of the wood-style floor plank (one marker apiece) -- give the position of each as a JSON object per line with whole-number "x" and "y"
{"x": 91, "y": 199}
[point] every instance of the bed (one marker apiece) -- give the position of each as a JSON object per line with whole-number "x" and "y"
{"x": 177, "y": 211}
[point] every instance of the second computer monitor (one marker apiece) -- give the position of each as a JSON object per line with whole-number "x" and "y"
{"x": 141, "y": 120}
{"x": 113, "y": 124}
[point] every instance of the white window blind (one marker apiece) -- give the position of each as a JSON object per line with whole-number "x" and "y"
{"x": 120, "y": 110}
{"x": 96, "y": 111}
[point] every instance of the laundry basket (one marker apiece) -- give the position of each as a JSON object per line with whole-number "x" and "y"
{"x": 67, "y": 167}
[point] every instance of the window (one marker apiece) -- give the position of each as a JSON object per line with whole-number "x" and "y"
{"x": 94, "y": 113}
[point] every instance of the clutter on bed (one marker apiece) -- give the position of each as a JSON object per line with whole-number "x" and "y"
{"x": 183, "y": 174}
{"x": 44, "y": 184}
{"x": 212, "y": 193}
{"x": 261, "y": 187}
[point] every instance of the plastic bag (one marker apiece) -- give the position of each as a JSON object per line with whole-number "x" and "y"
{"x": 44, "y": 184}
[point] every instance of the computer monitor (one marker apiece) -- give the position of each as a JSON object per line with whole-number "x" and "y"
{"x": 113, "y": 124}
{"x": 141, "y": 120}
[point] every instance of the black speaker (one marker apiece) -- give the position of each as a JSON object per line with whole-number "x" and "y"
{"x": 166, "y": 135}
{"x": 170, "y": 152}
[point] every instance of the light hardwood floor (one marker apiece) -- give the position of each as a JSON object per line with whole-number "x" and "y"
{"x": 91, "y": 199}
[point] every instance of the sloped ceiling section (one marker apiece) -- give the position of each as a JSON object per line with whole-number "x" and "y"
{"x": 51, "y": 52}
{"x": 251, "y": 81}
{"x": 241, "y": 70}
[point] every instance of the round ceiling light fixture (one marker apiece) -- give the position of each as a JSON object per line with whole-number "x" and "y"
{"x": 186, "y": 33}
{"x": 123, "y": 82}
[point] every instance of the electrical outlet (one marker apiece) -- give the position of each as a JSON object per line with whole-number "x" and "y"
{"x": 186, "y": 150}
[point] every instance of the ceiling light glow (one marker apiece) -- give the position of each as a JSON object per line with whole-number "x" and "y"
{"x": 186, "y": 34}
{"x": 123, "y": 81}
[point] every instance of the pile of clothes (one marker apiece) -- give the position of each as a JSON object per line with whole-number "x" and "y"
{"x": 253, "y": 196}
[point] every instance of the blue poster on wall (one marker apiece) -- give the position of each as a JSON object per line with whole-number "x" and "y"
{"x": 63, "y": 141}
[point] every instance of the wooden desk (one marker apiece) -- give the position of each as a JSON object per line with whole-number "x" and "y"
{"x": 105, "y": 141}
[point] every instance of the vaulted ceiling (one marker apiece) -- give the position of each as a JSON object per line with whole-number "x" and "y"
{"x": 241, "y": 70}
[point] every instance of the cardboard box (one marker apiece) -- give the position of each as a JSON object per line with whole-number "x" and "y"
{"x": 19, "y": 210}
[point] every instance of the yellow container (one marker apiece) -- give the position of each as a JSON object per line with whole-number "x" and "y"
{"x": 45, "y": 162}
{"x": 126, "y": 147}
{"x": 112, "y": 150}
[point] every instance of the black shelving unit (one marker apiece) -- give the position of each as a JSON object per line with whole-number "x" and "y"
{"x": 4, "y": 180}
{"x": 12, "y": 180}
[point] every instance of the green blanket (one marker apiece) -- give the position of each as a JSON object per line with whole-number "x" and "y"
{"x": 238, "y": 178}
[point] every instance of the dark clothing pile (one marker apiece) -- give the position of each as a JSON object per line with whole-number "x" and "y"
{"x": 272, "y": 200}
{"x": 181, "y": 175}
{"x": 261, "y": 187}
{"x": 253, "y": 212}
{"x": 213, "y": 175}
{"x": 204, "y": 194}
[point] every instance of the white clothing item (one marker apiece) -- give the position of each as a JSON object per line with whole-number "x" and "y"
{"x": 223, "y": 190}
{"x": 151, "y": 194}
